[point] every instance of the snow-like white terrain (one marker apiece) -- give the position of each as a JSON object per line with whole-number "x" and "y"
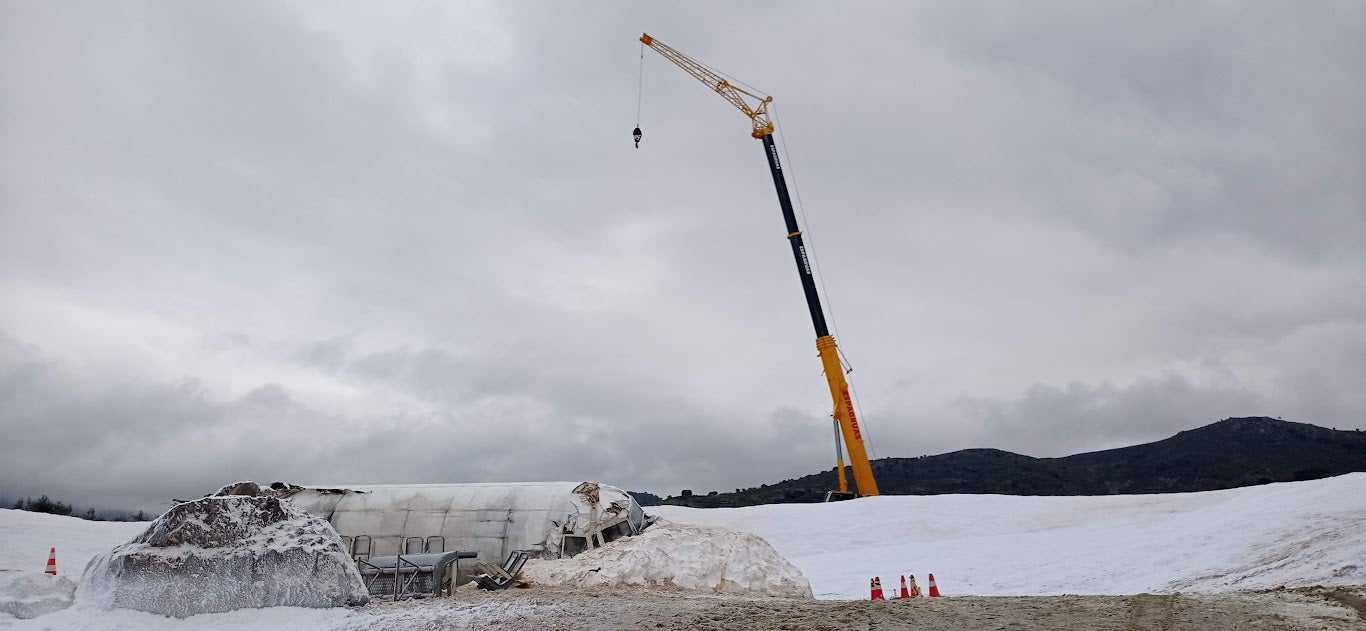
{"x": 25, "y": 539}
{"x": 1299, "y": 533}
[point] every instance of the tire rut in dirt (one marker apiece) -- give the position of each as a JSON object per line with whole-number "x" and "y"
{"x": 1148, "y": 612}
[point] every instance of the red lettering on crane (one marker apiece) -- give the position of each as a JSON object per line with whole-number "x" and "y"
{"x": 853, "y": 420}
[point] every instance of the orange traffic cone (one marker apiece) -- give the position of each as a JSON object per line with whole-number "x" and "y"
{"x": 915, "y": 589}
{"x": 904, "y": 593}
{"x": 934, "y": 589}
{"x": 51, "y": 562}
{"x": 875, "y": 585}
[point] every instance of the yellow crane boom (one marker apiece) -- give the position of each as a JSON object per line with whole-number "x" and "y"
{"x": 762, "y": 129}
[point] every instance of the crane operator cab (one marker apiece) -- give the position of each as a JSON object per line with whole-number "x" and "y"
{"x": 635, "y": 133}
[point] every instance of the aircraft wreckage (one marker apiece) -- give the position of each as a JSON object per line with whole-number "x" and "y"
{"x": 545, "y": 519}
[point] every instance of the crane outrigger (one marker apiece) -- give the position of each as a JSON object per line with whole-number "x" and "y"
{"x": 845, "y": 419}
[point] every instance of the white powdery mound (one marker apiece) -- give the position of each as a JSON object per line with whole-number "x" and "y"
{"x": 31, "y": 594}
{"x": 703, "y": 558}
{"x": 218, "y": 554}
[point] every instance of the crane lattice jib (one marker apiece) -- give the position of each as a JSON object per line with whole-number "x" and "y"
{"x": 758, "y": 114}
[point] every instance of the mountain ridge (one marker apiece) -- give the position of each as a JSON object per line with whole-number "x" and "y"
{"x": 1234, "y": 452}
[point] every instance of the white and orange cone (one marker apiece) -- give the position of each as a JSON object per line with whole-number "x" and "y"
{"x": 934, "y": 589}
{"x": 915, "y": 589}
{"x": 904, "y": 593}
{"x": 875, "y": 589}
{"x": 51, "y": 562}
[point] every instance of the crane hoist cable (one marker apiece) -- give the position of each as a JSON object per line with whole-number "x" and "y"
{"x": 640, "y": 93}
{"x": 847, "y": 364}
{"x": 755, "y": 105}
{"x": 834, "y": 322}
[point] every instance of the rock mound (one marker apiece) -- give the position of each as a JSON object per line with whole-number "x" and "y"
{"x": 684, "y": 556}
{"x": 223, "y": 553}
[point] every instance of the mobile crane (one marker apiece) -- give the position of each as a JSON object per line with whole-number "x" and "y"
{"x": 845, "y": 420}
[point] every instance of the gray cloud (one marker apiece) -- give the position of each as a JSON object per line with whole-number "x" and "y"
{"x": 1057, "y": 421}
{"x": 135, "y": 445}
{"x": 274, "y": 241}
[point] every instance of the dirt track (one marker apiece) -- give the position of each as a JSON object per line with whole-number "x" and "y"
{"x": 1319, "y": 609}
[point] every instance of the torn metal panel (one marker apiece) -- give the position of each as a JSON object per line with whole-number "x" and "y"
{"x": 589, "y": 491}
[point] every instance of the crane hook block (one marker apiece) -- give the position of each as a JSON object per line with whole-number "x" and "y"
{"x": 635, "y": 133}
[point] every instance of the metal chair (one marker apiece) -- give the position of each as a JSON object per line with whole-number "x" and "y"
{"x": 495, "y": 578}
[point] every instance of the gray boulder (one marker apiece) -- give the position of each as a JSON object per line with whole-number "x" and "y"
{"x": 223, "y": 553}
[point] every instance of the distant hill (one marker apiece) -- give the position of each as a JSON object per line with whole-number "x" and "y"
{"x": 645, "y": 498}
{"x": 1231, "y": 453}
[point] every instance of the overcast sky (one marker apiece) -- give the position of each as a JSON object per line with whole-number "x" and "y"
{"x": 413, "y": 242}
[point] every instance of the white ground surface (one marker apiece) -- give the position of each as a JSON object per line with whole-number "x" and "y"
{"x": 1300, "y": 533}
{"x": 25, "y": 539}
{"x": 1294, "y": 534}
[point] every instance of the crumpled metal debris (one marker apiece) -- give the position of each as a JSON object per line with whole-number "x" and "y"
{"x": 589, "y": 491}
